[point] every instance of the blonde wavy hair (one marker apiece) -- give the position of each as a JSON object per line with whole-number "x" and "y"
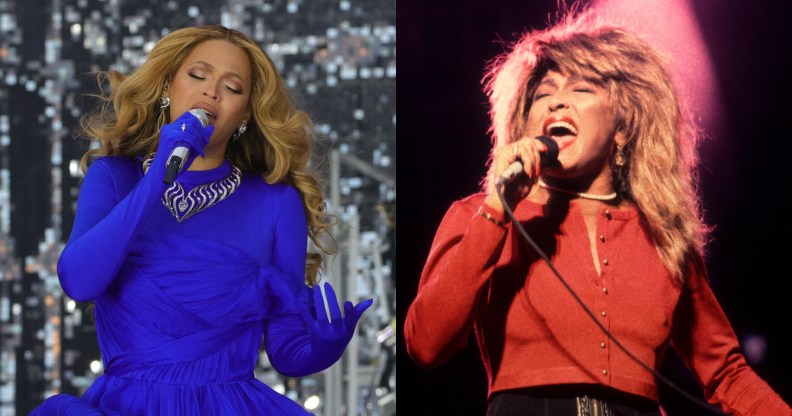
{"x": 660, "y": 175}
{"x": 277, "y": 142}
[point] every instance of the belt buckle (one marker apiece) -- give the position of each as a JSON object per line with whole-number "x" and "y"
{"x": 590, "y": 406}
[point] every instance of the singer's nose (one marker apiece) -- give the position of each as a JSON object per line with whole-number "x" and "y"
{"x": 556, "y": 101}
{"x": 556, "y": 104}
{"x": 210, "y": 94}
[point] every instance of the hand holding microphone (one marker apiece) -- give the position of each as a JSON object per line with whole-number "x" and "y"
{"x": 187, "y": 136}
{"x": 545, "y": 158}
{"x": 517, "y": 159}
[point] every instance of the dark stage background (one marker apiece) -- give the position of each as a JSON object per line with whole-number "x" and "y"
{"x": 443, "y": 146}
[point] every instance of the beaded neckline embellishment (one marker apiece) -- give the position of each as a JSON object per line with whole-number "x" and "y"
{"x": 184, "y": 204}
{"x": 595, "y": 197}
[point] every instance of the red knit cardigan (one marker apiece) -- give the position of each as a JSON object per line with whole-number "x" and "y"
{"x": 532, "y": 332}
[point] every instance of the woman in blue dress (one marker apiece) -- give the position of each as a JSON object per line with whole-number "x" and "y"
{"x": 189, "y": 274}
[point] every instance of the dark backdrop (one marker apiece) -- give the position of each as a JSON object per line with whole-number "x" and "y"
{"x": 443, "y": 146}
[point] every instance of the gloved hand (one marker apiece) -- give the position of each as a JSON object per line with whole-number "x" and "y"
{"x": 330, "y": 337}
{"x": 186, "y": 131}
{"x": 303, "y": 344}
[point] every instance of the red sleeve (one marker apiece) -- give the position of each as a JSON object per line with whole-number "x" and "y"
{"x": 706, "y": 342}
{"x": 463, "y": 255}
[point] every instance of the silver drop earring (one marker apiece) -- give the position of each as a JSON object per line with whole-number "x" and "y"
{"x": 165, "y": 101}
{"x": 240, "y": 131}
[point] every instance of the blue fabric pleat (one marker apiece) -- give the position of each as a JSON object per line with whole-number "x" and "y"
{"x": 182, "y": 312}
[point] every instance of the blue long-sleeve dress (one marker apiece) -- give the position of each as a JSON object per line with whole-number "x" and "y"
{"x": 181, "y": 307}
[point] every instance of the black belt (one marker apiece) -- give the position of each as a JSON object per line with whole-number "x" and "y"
{"x": 592, "y": 406}
{"x": 543, "y": 402}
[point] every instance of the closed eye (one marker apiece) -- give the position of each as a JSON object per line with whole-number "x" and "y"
{"x": 585, "y": 86}
{"x": 196, "y": 76}
{"x": 234, "y": 90}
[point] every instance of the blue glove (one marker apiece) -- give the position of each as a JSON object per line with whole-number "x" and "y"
{"x": 333, "y": 334}
{"x": 186, "y": 131}
{"x": 297, "y": 349}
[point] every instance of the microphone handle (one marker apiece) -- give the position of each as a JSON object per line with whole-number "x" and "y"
{"x": 175, "y": 163}
{"x": 512, "y": 171}
{"x": 179, "y": 154}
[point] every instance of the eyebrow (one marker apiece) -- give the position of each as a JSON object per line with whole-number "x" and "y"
{"x": 548, "y": 81}
{"x": 231, "y": 73}
{"x": 570, "y": 80}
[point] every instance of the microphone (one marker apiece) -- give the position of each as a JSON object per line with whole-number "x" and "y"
{"x": 546, "y": 158}
{"x": 180, "y": 153}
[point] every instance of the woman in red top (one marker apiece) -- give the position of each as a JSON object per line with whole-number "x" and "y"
{"x": 617, "y": 216}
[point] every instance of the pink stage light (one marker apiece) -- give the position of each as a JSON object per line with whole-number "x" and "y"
{"x": 671, "y": 26}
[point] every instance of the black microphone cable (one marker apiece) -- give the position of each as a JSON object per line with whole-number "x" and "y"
{"x": 593, "y": 317}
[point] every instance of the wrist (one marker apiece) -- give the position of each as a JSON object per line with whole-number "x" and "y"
{"x": 492, "y": 215}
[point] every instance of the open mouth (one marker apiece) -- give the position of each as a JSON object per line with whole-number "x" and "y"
{"x": 563, "y": 131}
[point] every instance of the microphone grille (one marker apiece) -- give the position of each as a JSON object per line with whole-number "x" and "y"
{"x": 201, "y": 115}
{"x": 551, "y": 157}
